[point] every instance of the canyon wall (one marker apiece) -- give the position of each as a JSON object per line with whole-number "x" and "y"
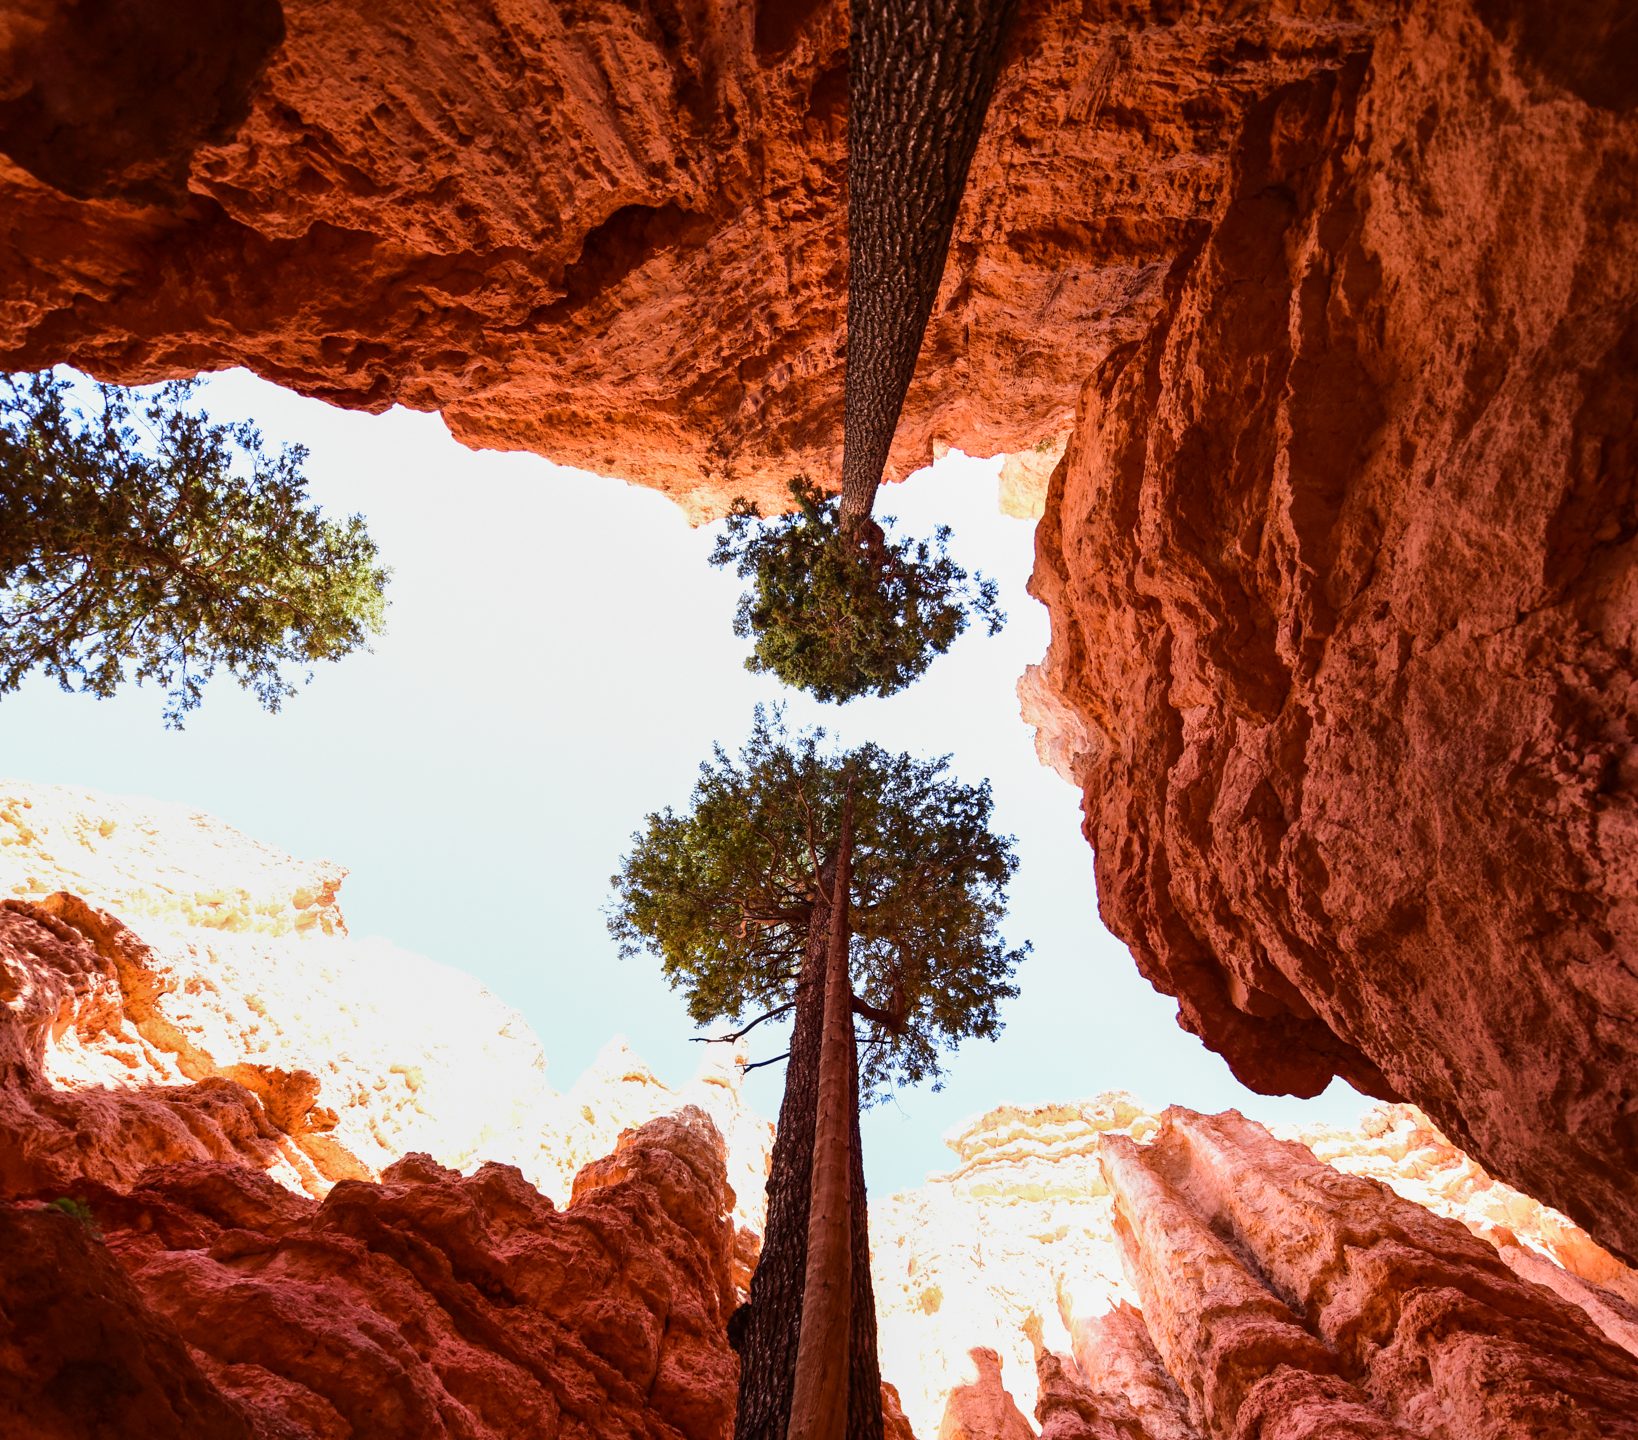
{"x": 1339, "y": 562}
{"x": 219, "y": 1210}
{"x": 1128, "y": 1275}
{"x": 1335, "y": 301}
{"x": 613, "y": 234}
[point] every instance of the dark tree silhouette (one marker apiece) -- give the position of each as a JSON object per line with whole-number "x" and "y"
{"x": 142, "y": 541}
{"x": 920, "y": 75}
{"x": 734, "y": 898}
{"x": 837, "y": 607}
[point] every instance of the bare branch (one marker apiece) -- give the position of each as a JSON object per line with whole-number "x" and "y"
{"x": 890, "y": 1020}
{"x": 742, "y": 1033}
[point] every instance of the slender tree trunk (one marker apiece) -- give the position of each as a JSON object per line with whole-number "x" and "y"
{"x": 920, "y": 73}
{"x": 772, "y": 1321}
{"x": 864, "y": 1376}
{"x": 819, "y": 1401}
{"x": 773, "y": 1318}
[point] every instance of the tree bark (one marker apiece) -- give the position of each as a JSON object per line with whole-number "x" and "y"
{"x": 819, "y": 1400}
{"x": 772, "y": 1321}
{"x": 864, "y": 1376}
{"x": 767, "y": 1349}
{"x": 920, "y": 75}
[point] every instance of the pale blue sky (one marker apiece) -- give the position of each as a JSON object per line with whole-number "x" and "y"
{"x": 559, "y": 657}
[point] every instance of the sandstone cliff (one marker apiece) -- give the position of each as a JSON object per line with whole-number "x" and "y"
{"x": 613, "y": 234}
{"x": 1340, "y": 570}
{"x": 215, "y": 958}
{"x": 220, "y": 1214}
{"x": 1117, "y": 1273}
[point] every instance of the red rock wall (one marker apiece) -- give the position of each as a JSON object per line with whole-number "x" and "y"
{"x": 610, "y": 233}
{"x": 1338, "y": 559}
{"x": 201, "y": 1298}
{"x": 158, "y": 1281}
{"x": 1340, "y": 569}
{"x": 1286, "y": 1299}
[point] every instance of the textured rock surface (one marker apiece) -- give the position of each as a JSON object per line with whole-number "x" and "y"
{"x": 615, "y": 234}
{"x": 1340, "y": 569}
{"x": 1012, "y": 1285}
{"x": 428, "y": 1304}
{"x": 209, "y": 1279}
{"x": 1339, "y": 555}
{"x": 194, "y": 1285}
{"x": 1428, "y": 1320}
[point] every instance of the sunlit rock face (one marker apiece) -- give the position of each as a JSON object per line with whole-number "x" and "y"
{"x": 1335, "y": 303}
{"x": 231, "y": 1156}
{"x": 615, "y": 235}
{"x": 211, "y": 1301}
{"x": 185, "y": 1256}
{"x": 1111, "y": 1273}
{"x": 213, "y": 958}
{"x": 1340, "y": 567}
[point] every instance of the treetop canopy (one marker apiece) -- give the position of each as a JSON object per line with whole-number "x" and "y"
{"x": 845, "y": 611}
{"x": 141, "y": 539}
{"x": 722, "y": 893}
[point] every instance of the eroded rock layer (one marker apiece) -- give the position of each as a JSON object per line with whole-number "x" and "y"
{"x": 172, "y": 954}
{"x": 1339, "y": 555}
{"x": 1121, "y": 1275}
{"x": 204, "y": 1237}
{"x": 184, "y": 1259}
{"x": 614, "y": 234}
{"x": 1340, "y": 566}
{"x": 207, "y": 1300}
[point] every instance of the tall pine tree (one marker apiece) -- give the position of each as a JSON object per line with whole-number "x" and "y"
{"x": 735, "y": 898}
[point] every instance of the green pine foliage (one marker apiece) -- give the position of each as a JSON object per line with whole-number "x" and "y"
{"x": 842, "y": 615}
{"x": 141, "y": 541}
{"x": 721, "y": 894}
{"x": 77, "y": 1211}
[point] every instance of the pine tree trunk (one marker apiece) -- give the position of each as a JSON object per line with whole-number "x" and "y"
{"x": 819, "y": 1401}
{"x": 767, "y": 1349}
{"x": 773, "y": 1320}
{"x": 864, "y": 1376}
{"x": 920, "y": 73}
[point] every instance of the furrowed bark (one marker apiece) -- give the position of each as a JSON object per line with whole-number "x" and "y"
{"x": 819, "y": 1400}
{"x": 767, "y": 1351}
{"x": 920, "y": 75}
{"x": 864, "y": 1375}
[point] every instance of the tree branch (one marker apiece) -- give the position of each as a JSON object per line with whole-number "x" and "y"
{"x": 741, "y": 1034}
{"x": 758, "y": 1064}
{"x": 890, "y": 1020}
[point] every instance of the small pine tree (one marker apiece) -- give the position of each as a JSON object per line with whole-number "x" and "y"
{"x": 843, "y": 610}
{"x": 145, "y": 542}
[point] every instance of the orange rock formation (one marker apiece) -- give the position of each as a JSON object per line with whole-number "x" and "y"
{"x": 1122, "y": 1274}
{"x": 1340, "y": 566}
{"x": 529, "y": 221}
